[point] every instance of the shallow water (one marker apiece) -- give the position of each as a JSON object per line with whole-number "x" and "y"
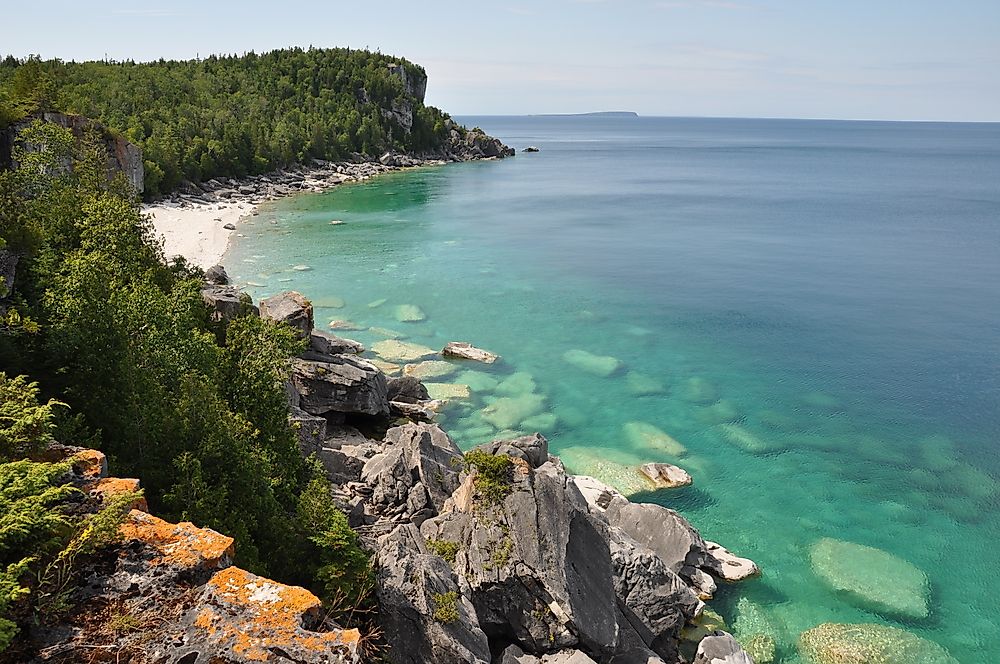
{"x": 812, "y": 309}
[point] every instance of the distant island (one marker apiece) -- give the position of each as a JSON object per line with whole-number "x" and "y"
{"x": 598, "y": 114}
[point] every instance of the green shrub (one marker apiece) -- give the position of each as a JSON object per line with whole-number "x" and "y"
{"x": 444, "y": 548}
{"x": 494, "y": 475}
{"x": 446, "y": 607}
{"x": 25, "y": 424}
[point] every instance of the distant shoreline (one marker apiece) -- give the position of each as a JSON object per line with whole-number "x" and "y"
{"x": 193, "y": 224}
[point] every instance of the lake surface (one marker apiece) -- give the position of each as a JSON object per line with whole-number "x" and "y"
{"x": 810, "y": 308}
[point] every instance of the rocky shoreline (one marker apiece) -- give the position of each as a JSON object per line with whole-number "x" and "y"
{"x": 498, "y": 554}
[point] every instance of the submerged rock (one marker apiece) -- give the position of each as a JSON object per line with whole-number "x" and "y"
{"x": 430, "y": 369}
{"x": 834, "y": 643}
{"x": 478, "y": 381}
{"x": 599, "y": 365}
{"x": 872, "y": 578}
{"x": 746, "y": 440}
{"x": 448, "y": 391}
{"x": 467, "y": 351}
{"x": 509, "y": 412}
{"x": 409, "y": 313}
{"x": 640, "y": 384}
{"x": 698, "y": 390}
{"x": 401, "y": 351}
{"x": 516, "y": 384}
{"x": 644, "y": 436}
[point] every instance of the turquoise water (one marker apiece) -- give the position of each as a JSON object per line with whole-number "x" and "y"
{"x": 812, "y": 309}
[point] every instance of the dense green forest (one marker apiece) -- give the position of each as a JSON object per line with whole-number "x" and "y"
{"x": 230, "y": 115}
{"x": 102, "y": 344}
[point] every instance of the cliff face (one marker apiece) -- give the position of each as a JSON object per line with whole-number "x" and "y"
{"x": 415, "y": 85}
{"x": 123, "y": 156}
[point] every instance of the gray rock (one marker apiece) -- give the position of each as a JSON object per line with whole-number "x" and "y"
{"x": 229, "y": 227}
{"x": 538, "y": 565}
{"x": 309, "y": 429}
{"x": 415, "y": 592}
{"x": 217, "y": 275}
{"x": 344, "y": 384}
{"x": 721, "y": 648}
{"x": 325, "y": 343}
{"x": 665, "y": 475}
{"x": 407, "y": 389}
{"x": 534, "y": 448}
{"x": 664, "y": 531}
{"x": 653, "y": 599}
{"x": 413, "y": 411}
{"x": 224, "y": 302}
{"x": 416, "y": 473}
{"x": 637, "y": 656}
{"x": 290, "y": 308}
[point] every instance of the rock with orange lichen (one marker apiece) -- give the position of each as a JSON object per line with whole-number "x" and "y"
{"x": 182, "y": 545}
{"x": 240, "y": 617}
{"x": 107, "y": 487}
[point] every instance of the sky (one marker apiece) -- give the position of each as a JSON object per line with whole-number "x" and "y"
{"x": 848, "y": 59}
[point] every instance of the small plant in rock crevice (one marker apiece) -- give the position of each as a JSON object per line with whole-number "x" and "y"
{"x": 446, "y": 606}
{"x": 494, "y": 479}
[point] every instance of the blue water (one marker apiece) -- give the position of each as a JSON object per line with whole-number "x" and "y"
{"x": 811, "y": 308}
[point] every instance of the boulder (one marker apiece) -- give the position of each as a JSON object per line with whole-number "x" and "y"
{"x": 240, "y": 618}
{"x": 721, "y": 648}
{"x": 872, "y": 578}
{"x": 407, "y": 389}
{"x": 309, "y": 429}
{"x": 530, "y": 148}
{"x": 665, "y": 532}
{"x": 424, "y": 610}
{"x": 533, "y": 449}
{"x": 698, "y": 390}
{"x": 325, "y": 343}
{"x": 538, "y": 565}
{"x": 415, "y": 474}
{"x": 224, "y": 302}
{"x": 655, "y": 601}
{"x": 291, "y": 308}
{"x": 344, "y": 384}
{"x": 665, "y": 475}
{"x": 217, "y": 275}
{"x": 731, "y": 567}
{"x": 834, "y": 643}
{"x": 639, "y": 384}
{"x": 467, "y": 351}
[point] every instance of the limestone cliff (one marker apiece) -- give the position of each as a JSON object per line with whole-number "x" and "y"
{"x": 123, "y": 156}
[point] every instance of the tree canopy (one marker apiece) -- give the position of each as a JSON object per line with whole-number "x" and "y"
{"x": 234, "y": 115}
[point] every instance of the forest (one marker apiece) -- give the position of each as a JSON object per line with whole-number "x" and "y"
{"x": 105, "y": 345}
{"x": 234, "y": 115}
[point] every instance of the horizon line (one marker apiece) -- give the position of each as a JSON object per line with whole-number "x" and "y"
{"x": 639, "y": 116}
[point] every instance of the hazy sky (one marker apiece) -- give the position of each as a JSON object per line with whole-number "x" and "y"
{"x": 890, "y": 59}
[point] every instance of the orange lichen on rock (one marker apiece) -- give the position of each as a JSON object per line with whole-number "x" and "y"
{"x": 115, "y": 486}
{"x": 181, "y": 544}
{"x": 252, "y": 617}
{"x": 90, "y": 464}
